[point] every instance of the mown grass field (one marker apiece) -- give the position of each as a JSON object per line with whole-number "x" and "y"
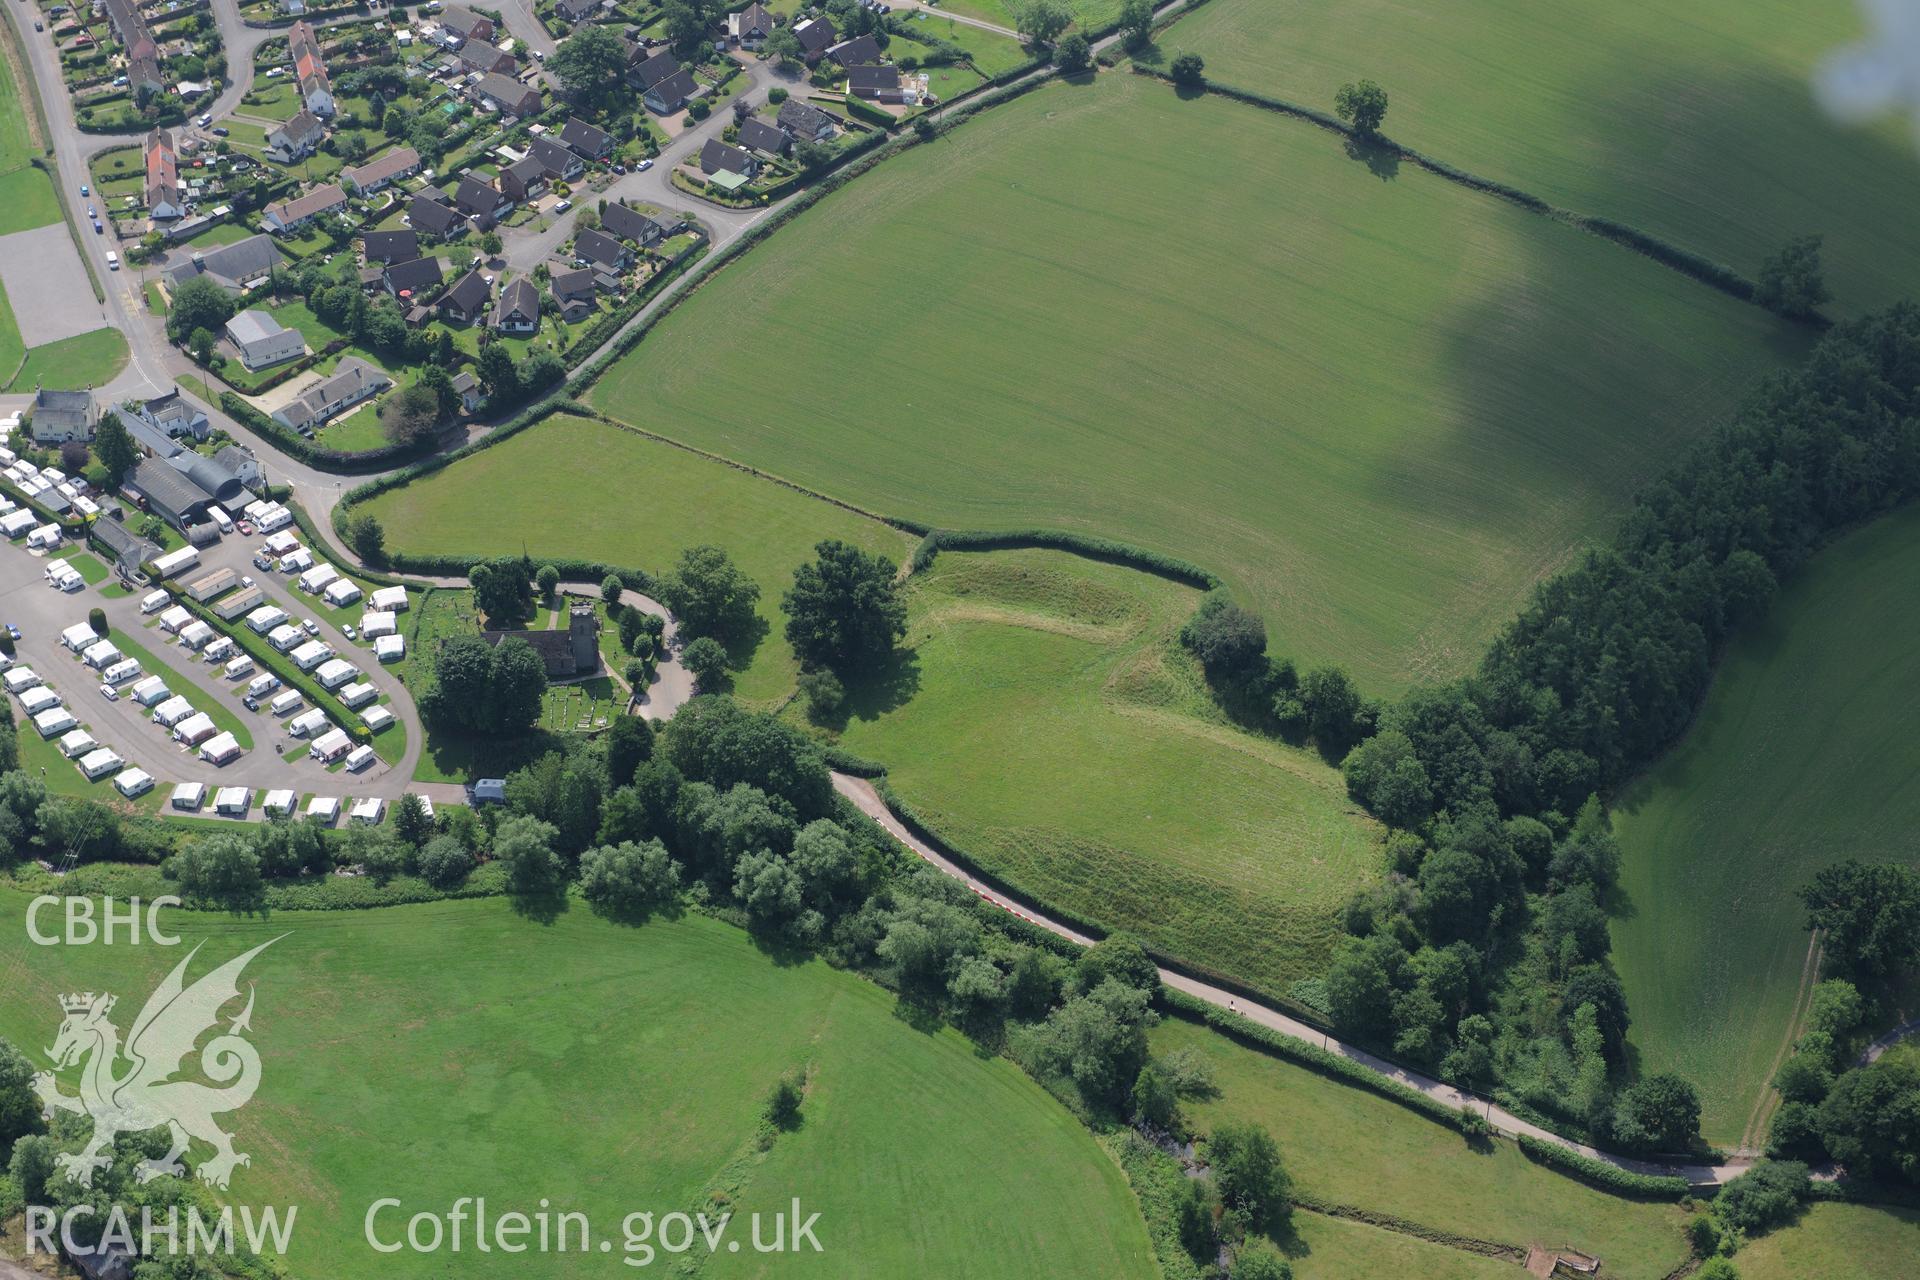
{"x": 1044, "y": 721}
{"x": 1349, "y": 1147}
{"x": 1694, "y": 122}
{"x": 84, "y": 360}
{"x": 1837, "y": 1242}
{"x": 576, "y": 487}
{"x": 457, "y": 1049}
{"x": 1803, "y": 755}
{"x": 1382, "y": 410}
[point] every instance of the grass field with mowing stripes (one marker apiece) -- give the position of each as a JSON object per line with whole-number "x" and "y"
{"x": 1803, "y": 755}
{"x": 1694, "y": 122}
{"x": 1043, "y": 720}
{"x": 458, "y": 1049}
{"x": 1382, "y": 410}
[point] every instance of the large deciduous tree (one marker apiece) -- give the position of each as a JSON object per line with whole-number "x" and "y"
{"x": 844, "y": 610}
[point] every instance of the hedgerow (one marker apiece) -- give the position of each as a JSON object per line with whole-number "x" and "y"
{"x": 1604, "y": 1176}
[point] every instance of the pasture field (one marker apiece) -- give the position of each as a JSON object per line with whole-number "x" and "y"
{"x": 1837, "y": 1242}
{"x": 428, "y": 1053}
{"x": 1381, "y": 410}
{"x": 1346, "y": 1146}
{"x": 1803, "y": 755}
{"x": 576, "y": 487}
{"x": 1043, "y": 719}
{"x": 1694, "y": 122}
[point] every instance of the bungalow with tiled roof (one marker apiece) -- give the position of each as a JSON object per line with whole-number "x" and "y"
{"x": 665, "y": 85}
{"x": 412, "y": 282}
{"x": 481, "y": 201}
{"x": 757, "y": 135}
{"x": 291, "y": 215}
{"x": 507, "y": 95}
{"x": 401, "y": 162}
{"x": 560, "y": 163}
{"x": 402, "y": 245}
{"x": 602, "y": 250}
{"x": 586, "y": 141}
{"x": 750, "y": 27}
{"x": 434, "y": 214}
{"x": 468, "y": 299}
{"x": 816, "y": 36}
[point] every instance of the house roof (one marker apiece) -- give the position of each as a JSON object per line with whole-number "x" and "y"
{"x": 526, "y": 171}
{"x": 677, "y": 87}
{"x": 353, "y": 378}
{"x": 630, "y": 224}
{"x": 656, "y": 68}
{"x": 505, "y": 90}
{"x": 431, "y": 211}
{"x": 317, "y": 201}
{"x": 716, "y": 156}
{"x": 233, "y": 264}
{"x": 598, "y": 246}
{"x": 163, "y": 170}
{"x": 475, "y": 196}
{"x": 469, "y": 293}
{"x": 303, "y": 128}
{"x": 858, "y": 51}
{"x": 753, "y": 18}
{"x": 875, "y": 77}
{"x": 583, "y": 138}
{"x": 519, "y": 300}
{"x": 758, "y": 135}
{"x": 815, "y": 34}
{"x": 392, "y": 246}
{"x": 556, "y": 159}
{"x": 413, "y": 276}
{"x": 253, "y": 326}
{"x": 802, "y": 120}
{"x": 309, "y": 65}
{"x": 62, "y": 408}
{"x": 166, "y": 486}
{"x": 164, "y": 411}
{"x": 395, "y": 163}
{"x": 481, "y": 54}
{"x": 567, "y": 284}
{"x": 463, "y": 21}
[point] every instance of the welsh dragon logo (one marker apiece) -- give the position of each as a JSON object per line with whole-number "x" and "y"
{"x": 131, "y": 1089}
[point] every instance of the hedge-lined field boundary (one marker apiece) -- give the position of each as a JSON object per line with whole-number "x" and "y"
{"x": 1408, "y": 1227}
{"x": 1601, "y": 1175}
{"x": 299, "y": 448}
{"x": 1092, "y": 546}
{"x": 1695, "y": 266}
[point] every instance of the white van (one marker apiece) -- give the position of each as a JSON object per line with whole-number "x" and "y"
{"x": 113, "y": 260}
{"x": 219, "y": 516}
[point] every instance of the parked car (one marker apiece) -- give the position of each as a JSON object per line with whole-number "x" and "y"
{"x": 110, "y": 693}
{"x": 206, "y": 119}
{"x": 619, "y": 168}
{"x": 309, "y": 626}
{"x": 91, "y": 213}
{"x": 85, "y": 190}
{"x": 97, "y": 228}
{"x": 643, "y": 166}
{"x": 13, "y": 631}
{"x": 262, "y": 563}
{"x": 38, "y": 27}
{"x": 245, "y": 526}
{"x": 563, "y": 206}
{"x": 113, "y": 260}
{"x": 246, "y": 580}
{"x": 220, "y": 132}
{"x": 347, "y": 631}
{"x": 250, "y": 702}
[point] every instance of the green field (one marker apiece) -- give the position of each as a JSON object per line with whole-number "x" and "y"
{"x": 1349, "y": 1147}
{"x": 1382, "y": 410}
{"x": 1803, "y": 755}
{"x": 576, "y": 487}
{"x": 84, "y": 360}
{"x": 1044, "y": 721}
{"x": 1838, "y": 1242}
{"x": 1694, "y": 122}
{"x": 457, "y": 1049}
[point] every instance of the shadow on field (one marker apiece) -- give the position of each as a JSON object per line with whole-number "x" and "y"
{"x": 1382, "y": 162}
{"x": 541, "y": 908}
{"x": 741, "y": 648}
{"x": 888, "y": 689}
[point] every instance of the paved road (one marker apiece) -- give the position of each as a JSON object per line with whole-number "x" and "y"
{"x": 867, "y": 798}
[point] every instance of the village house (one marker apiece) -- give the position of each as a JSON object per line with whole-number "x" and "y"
{"x": 129, "y": 27}
{"x": 478, "y": 55}
{"x": 586, "y": 141}
{"x": 291, "y": 215}
{"x": 857, "y": 52}
{"x": 757, "y": 135}
{"x": 750, "y": 27}
{"x": 60, "y": 416}
{"x": 413, "y": 282}
{"x": 630, "y": 224}
{"x": 173, "y": 415}
{"x": 468, "y": 299}
{"x": 459, "y": 25}
{"x": 574, "y": 293}
{"x": 807, "y": 123}
{"x": 816, "y": 36}
{"x": 665, "y": 85}
{"x": 432, "y": 213}
{"x": 310, "y": 69}
{"x": 578, "y": 11}
{"x": 876, "y": 83}
{"x": 235, "y": 267}
{"x": 525, "y": 179}
{"x": 401, "y": 162}
{"x": 163, "y": 178}
{"x": 467, "y": 387}
{"x": 518, "y": 310}
{"x": 717, "y": 157}
{"x": 263, "y": 341}
{"x": 602, "y": 250}
{"x": 298, "y": 138}
{"x": 402, "y": 245}
{"x": 560, "y": 163}
{"x": 507, "y": 95}
{"x": 353, "y": 381}
{"x": 481, "y": 201}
